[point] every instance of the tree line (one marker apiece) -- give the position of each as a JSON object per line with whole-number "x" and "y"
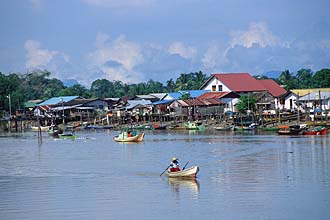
{"x": 38, "y": 84}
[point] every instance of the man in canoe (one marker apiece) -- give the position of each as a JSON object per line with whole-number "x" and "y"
{"x": 174, "y": 165}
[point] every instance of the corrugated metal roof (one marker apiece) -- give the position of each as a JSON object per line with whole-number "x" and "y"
{"x": 315, "y": 96}
{"x": 133, "y": 103}
{"x": 302, "y": 92}
{"x": 162, "y": 102}
{"x": 57, "y": 100}
{"x": 210, "y": 95}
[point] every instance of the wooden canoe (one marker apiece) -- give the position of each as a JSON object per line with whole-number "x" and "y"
{"x": 42, "y": 128}
{"x": 187, "y": 173}
{"x": 136, "y": 138}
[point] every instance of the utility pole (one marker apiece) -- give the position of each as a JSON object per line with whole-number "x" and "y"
{"x": 9, "y": 101}
{"x": 63, "y": 121}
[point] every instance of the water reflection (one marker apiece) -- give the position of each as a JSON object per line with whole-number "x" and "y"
{"x": 179, "y": 184}
{"x": 243, "y": 177}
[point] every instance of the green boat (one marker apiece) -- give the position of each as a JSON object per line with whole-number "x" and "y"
{"x": 194, "y": 126}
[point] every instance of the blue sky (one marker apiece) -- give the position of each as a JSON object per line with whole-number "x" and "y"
{"x": 137, "y": 40}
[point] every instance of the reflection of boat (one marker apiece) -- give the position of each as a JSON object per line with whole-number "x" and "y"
{"x": 123, "y": 137}
{"x": 190, "y": 183}
{"x": 187, "y": 173}
{"x": 42, "y": 128}
{"x": 290, "y": 130}
{"x": 315, "y": 131}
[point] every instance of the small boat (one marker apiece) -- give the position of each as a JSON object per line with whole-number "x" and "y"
{"x": 290, "y": 130}
{"x": 98, "y": 127}
{"x": 226, "y": 128}
{"x": 67, "y": 136}
{"x": 159, "y": 127}
{"x": 42, "y": 128}
{"x": 315, "y": 131}
{"x": 123, "y": 137}
{"x": 194, "y": 126}
{"x": 187, "y": 173}
{"x": 54, "y": 131}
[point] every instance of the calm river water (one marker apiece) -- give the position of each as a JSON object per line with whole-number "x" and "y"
{"x": 242, "y": 176}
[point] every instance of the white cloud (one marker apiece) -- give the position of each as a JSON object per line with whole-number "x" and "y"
{"x": 37, "y": 57}
{"x": 117, "y": 58}
{"x": 121, "y": 3}
{"x": 257, "y": 33}
{"x": 252, "y": 50}
{"x": 56, "y": 62}
{"x": 214, "y": 57}
{"x": 183, "y": 51}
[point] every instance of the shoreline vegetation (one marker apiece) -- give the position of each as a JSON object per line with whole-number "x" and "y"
{"x": 19, "y": 88}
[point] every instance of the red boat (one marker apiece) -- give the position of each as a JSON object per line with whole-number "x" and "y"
{"x": 316, "y": 131}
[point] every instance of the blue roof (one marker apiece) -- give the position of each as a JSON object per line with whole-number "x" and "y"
{"x": 194, "y": 93}
{"x": 133, "y": 103}
{"x": 162, "y": 102}
{"x": 175, "y": 95}
{"x": 57, "y": 100}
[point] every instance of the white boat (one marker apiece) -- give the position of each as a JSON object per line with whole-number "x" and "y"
{"x": 187, "y": 173}
{"x": 42, "y": 128}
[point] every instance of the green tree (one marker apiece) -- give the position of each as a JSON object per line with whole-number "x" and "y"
{"x": 304, "y": 79}
{"x": 198, "y": 79}
{"x": 75, "y": 90}
{"x": 170, "y": 85}
{"x": 245, "y": 103}
{"x": 287, "y": 79}
{"x": 100, "y": 88}
{"x": 182, "y": 82}
{"x": 321, "y": 79}
{"x": 10, "y": 85}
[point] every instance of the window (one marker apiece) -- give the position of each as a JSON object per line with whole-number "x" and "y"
{"x": 214, "y": 88}
{"x": 220, "y": 88}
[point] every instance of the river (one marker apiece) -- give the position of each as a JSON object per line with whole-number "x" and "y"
{"x": 242, "y": 176}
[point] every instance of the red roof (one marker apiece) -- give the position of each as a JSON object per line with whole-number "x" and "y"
{"x": 212, "y": 95}
{"x": 240, "y": 82}
{"x": 272, "y": 87}
{"x": 218, "y": 95}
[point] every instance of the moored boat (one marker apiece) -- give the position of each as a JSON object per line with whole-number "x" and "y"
{"x": 290, "y": 130}
{"x": 194, "y": 126}
{"x": 315, "y": 131}
{"x": 226, "y": 128}
{"x": 42, "y": 128}
{"x": 187, "y": 173}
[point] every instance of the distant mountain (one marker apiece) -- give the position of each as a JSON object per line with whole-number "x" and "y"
{"x": 69, "y": 82}
{"x": 272, "y": 74}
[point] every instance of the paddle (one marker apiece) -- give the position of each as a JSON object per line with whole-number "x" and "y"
{"x": 165, "y": 170}
{"x": 185, "y": 165}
